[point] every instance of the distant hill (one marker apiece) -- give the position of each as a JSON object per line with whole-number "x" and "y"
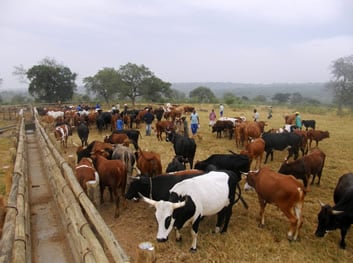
{"x": 316, "y": 91}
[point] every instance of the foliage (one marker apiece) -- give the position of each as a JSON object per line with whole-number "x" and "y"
{"x": 105, "y": 83}
{"x": 51, "y": 82}
{"x": 342, "y": 81}
{"x": 281, "y": 97}
{"x": 202, "y": 95}
{"x": 139, "y": 81}
{"x": 260, "y": 98}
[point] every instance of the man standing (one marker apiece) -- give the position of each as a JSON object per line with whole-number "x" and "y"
{"x": 195, "y": 122}
{"x": 221, "y": 110}
{"x": 148, "y": 118}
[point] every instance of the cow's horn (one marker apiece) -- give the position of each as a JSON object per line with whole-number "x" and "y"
{"x": 337, "y": 212}
{"x": 147, "y": 200}
{"x": 135, "y": 177}
{"x": 178, "y": 205}
{"x": 321, "y": 203}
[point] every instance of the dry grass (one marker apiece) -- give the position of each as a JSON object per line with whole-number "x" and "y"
{"x": 245, "y": 241}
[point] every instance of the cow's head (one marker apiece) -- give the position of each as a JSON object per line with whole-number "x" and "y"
{"x": 164, "y": 216}
{"x": 326, "y": 220}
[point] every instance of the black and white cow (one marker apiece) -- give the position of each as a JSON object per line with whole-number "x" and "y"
{"x": 341, "y": 214}
{"x": 192, "y": 199}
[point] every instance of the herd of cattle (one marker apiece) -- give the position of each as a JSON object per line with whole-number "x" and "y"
{"x": 211, "y": 186}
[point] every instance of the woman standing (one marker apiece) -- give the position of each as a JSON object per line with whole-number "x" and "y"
{"x": 212, "y": 116}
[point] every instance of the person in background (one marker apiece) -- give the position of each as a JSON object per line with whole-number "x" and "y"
{"x": 269, "y": 115}
{"x": 119, "y": 123}
{"x": 195, "y": 122}
{"x": 256, "y": 115}
{"x": 185, "y": 126}
{"x": 148, "y": 118}
{"x": 212, "y": 117}
{"x": 221, "y": 110}
{"x": 113, "y": 110}
{"x": 98, "y": 107}
{"x": 298, "y": 121}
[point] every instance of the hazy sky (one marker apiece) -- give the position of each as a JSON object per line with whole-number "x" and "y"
{"x": 247, "y": 41}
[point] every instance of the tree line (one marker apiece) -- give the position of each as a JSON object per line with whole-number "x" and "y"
{"x": 51, "y": 82}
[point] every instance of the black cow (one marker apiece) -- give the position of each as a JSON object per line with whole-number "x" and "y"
{"x": 84, "y": 152}
{"x": 309, "y": 124}
{"x": 158, "y": 186}
{"x": 177, "y": 164}
{"x": 159, "y": 113}
{"x": 341, "y": 214}
{"x": 183, "y": 146}
{"x": 83, "y": 132}
{"x": 280, "y": 141}
{"x": 237, "y": 163}
{"x": 132, "y": 134}
{"x": 103, "y": 120}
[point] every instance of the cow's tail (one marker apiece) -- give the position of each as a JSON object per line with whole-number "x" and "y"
{"x": 239, "y": 197}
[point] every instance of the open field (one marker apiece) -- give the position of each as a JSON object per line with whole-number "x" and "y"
{"x": 244, "y": 241}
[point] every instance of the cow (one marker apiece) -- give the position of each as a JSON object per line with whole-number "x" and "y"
{"x": 116, "y": 138}
{"x": 191, "y": 200}
{"x": 132, "y": 134}
{"x": 103, "y": 120}
{"x": 236, "y": 163}
{"x": 163, "y": 126}
{"x": 280, "y": 141}
{"x": 255, "y": 150}
{"x": 112, "y": 174}
{"x": 84, "y": 172}
{"x": 309, "y": 124}
{"x": 149, "y": 163}
{"x": 286, "y": 192}
{"x": 177, "y": 164}
{"x": 183, "y": 146}
{"x": 252, "y": 130}
{"x": 159, "y": 113}
{"x": 223, "y": 126}
{"x": 127, "y": 156}
{"x": 317, "y": 135}
{"x": 83, "y": 132}
{"x": 340, "y": 215}
{"x": 310, "y": 164}
{"x": 157, "y": 188}
{"x": 289, "y": 119}
{"x": 61, "y": 134}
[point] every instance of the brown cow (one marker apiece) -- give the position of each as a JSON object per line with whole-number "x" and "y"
{"x": 112, "y": 174}
{"x": 252, "y": 130}
{"x": 284, "y": 191}
{"x": 310, "y": 164}
{"x": 149, "y": 163}
{"x": 223, "y": 126}
{"x": 163, "y": 126}
{"x": 289, "y": 119}
{"x": 255, "y": 150}
{"x": 117, "y": 138}
{"x": 317, "y": 135}
{"x": 61, "y": 134}
{"x": 84, "y": 172}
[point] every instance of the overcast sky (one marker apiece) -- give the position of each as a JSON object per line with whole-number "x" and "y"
{"x": 245, "y": 41}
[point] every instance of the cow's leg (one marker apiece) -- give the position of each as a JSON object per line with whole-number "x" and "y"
{"x": 220, "y": 219}
{"x": 293, "y": 220}
{"x": 267, "y": 154}
{"x": 227, "y": 215}
{"x": 343, "y": 236}
{"x": 116, "y": 213}
{"x": 263, "y": 204}
{"x": 194, "y": 230}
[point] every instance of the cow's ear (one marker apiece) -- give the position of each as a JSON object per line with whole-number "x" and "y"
{"x": 147, "y": 200}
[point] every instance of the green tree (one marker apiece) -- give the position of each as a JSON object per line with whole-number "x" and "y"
{"x": 139, "y": 81}
{"x": 202, "y": 95}
{"x": 296, "y": 98}
{"x": 50, "y": 81}
{"x": 342, "y": 81}
{"x": 105, "y": 83}
{"x": 260, "y": 98}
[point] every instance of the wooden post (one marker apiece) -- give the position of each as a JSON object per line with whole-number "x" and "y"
{"x": 146, "y": 253}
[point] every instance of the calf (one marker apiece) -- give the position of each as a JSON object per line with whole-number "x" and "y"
{"x": 61, "y": 134}
{"x": 163, "y": 126}
{"x": 317, "y": 135}
{"x": 255, "y": 150}
{"x": 340, "y": 215}
{"x": 149, "y": 163}
{"x": 311, "y": 164}
{"x": 116, "y": 138}
{"x": 309, "y": 124}
{"x": 112, "y": 174}
{"x": 223, "y": 126}
{"x": 191, "y": 200}
{"x": 183, "y": 146}
{"x": 177, "y": 164}
{"x": 284, "y": 191}
{"x": 126, "y": 155}
{"x": 132, "y": 134}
